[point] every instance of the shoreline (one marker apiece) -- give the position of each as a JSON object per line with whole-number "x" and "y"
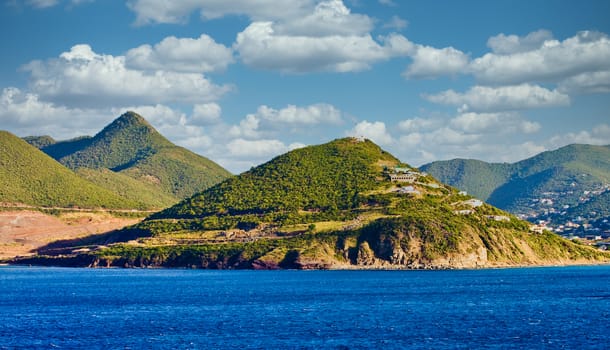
{"x": 342, "y": 268}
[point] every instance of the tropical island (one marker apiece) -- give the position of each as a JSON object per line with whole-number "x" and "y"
{"x": 346, "y": 204}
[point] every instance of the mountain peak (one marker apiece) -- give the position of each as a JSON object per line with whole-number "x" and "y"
{"x": 129, "y": 123}
{"x": 132, "y": 146}
{"x": 130, "y": 118}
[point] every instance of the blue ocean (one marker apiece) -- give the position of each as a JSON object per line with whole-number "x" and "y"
{"x": 528, "y": 308}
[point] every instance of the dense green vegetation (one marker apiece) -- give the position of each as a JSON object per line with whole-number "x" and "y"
{"x": 326, "y": 178}
{"x": 479, "y": 178}
{"x": 31, "y": 177}
{"x": 567, "y": 171}
{"x": 127, "y": 187}
{"x": 132, "y": 147}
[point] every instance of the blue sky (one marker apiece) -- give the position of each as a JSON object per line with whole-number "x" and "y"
{"x": 243, "y": 81}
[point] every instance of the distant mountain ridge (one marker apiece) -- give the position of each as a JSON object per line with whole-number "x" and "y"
{"x": 131, "y": 147}
{"x": 550, "y": 181}
{"x": 343, "y": 204}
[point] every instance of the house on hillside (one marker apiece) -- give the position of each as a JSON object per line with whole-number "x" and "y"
{"x": 408, "y": 190}
{"x": 463, "y": 212}
{"x": 404, "y": 177}
{"x": 498, "y": 217}
{"x": 473, "y": 202}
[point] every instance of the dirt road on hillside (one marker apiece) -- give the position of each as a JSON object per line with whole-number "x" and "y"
{"x": 22, "y": 232}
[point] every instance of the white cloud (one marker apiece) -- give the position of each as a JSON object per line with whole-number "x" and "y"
{"x": 297, "y": 36}
{"x": 320, "y": 113}
{"x": 421, "y": 148}
{"x": 261, "y": 47}
{"x": 396, "y": 23}
{"x": 375, "y": 131}
{"x": 599, "y": 135}
{"x": 553, "y": 61}
{"x": 25, "y": 114}
{"x": 449, "y": 136}
{"x": 206, "y": 113}
{"x": 474, "y": 123}
{"x": 419, "y": 124}
{"x": 256, "y": 148}
{"x": 430, "y": 62}
{"x": 248, "y": 127}
{"x": 590, "y": 82}
{"x": 181, "y": 55}
{"x": 269, "y": 121}
{"x": 81, "y": 77}
{"x": 171, "y": 11}
{"x": 515, "y": 97}
{"x": 330, "y": 17}
{"x": 509, "y": 44}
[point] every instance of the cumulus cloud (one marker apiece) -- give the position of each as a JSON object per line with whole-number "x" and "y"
{"x": 267, "y": 121}
{"x": 446, "y": 143}
{"x": 247, "y": 127}
{"x": 171, "y": 11}
{"x": 320, "y": 113}
{"x": 25, "y": 114}
{"x": 189, "y": 55}
{"x": 261, "y": 47}
{"x": 553, "y": 60}
{"x": 297, "y": 36}
{"x": 430, "y": 62}
{"x": 259, "y": 148}
{"x": 419, "y": 124}
{"x": 578, "y": 64}
{"x": 474, "y": 123}
{"x": 375, "y": 131}
{"x": 327, "y": 18}
{"x": 599, "y": 135}
{"x": 590, "y": 82}
{"x": 496, "y": 137}
{"x": 206, "y": 113}
{"x": 81, "y": 77}
{"x": 509, "y": 44}
{"x": 515, "y": 97}
{"x": 396, "y": 23}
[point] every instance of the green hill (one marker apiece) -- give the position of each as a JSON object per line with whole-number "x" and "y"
{"x": 328, "y": 178}
{"x": 559, "y": 177}
{"x": 344, "y": 204}
{"x": 130, "y": 146}
{"x": 479, "y": 178}
{"x": 127, "y": 187}
{"x": 39, "y": 141}
{"x": 29, "y": 176}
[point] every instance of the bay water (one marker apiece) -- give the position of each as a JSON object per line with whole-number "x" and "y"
{"x": 524, "y": 308}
